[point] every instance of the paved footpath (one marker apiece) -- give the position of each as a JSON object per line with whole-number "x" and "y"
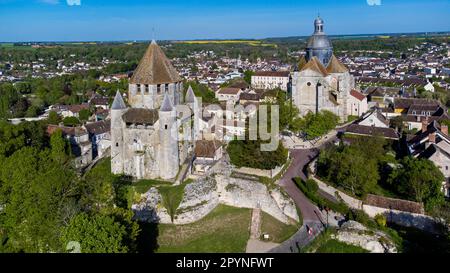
{"x": 312, "y": 218}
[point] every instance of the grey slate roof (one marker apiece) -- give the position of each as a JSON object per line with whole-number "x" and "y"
{"x": 118, "y": 102}
{"x": 190, "y": 96}
{"x": 167, "y": 104}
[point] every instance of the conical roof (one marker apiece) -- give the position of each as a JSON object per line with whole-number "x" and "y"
{"x": 155, "y": 68}
{"x": 118, "y": 102}
{"x": 335, "y": 66}
{"x": 167, "y": 104}
{"x": 315, "y": 65}
{"x": 190, "y": 96}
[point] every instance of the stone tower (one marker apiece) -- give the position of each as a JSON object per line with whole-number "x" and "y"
{"x": 319, "y": 45}
{"x": 118, "y": 108}
{"x": 168, "y": 134}
{"x": 154, "y": 77}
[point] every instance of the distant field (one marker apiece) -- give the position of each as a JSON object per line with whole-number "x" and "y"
{"x": 247, "y": 42}
{"x": 7, "y": 45}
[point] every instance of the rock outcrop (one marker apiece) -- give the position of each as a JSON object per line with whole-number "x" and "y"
{"x": 202, "y": 196}
{"x": 354, "y": 233}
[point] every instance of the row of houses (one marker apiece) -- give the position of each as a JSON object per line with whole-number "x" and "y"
{"x": 426, "y": 133}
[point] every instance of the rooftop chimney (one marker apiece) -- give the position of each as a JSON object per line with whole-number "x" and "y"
{"x": 444, "y": 129}
{"x": 432, "y": 138}
{"x": 424, "y": 125}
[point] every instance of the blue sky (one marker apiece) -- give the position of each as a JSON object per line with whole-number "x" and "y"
{"x": 56, "y": 20}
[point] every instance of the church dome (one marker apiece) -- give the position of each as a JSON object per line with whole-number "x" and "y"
{"x": 319, "y": 45}
{"x": 318, "y": 41}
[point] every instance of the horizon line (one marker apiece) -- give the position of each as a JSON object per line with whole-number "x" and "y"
{"x": 242, "y": 38}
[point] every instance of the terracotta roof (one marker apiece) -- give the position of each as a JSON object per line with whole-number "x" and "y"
{"x": 77, "y": 107}
{"x": 241, "y": 85}
{"x": 396, "y": 204}
{"x": 141, "y": 116}
{"x": 315, "y": 65}
{"x": 250, "y": 96}
{"x": 206, "y": 148}
{"x": 100, "y": 127}
{"x": 335, "y": 66}
{"x": 100, "y": 101}
{"x": 272, "y": 73}
{"x": 360, "y": 96}
{"x": 229, "y": 91}
{"x": 71, "y": 131}
{"x": 372, "y": 131}
{"x": 155, "y": 68}
{"x": 404, "y": 103}
{"x": 301, "y": 62}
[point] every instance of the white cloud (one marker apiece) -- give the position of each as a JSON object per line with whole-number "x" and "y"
{"x": 74, "y": 2}
{"x": 56, "y": 2}
{"x": 51, "y": 2}
{"x": 374, "y": 2}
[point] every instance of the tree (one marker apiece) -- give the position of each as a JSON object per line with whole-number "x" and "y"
{"x": 349, "y": 168}
{"x": 35, "y": 193}
{"x": 71, "y": 121}
{"x": 84, "y": 114}
{"x": 317, "y": 125}
{"x": 53, "y": 118}
{"x": 96, "y": 234}
{"x": 59, "y": 147}
{"x": 419, "y": 180}
{"x": 248, "y": 76}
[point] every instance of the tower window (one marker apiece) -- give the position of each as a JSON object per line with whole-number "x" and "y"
{"x": 165, "y": 126}
{"x": 117, "y": 144}
{"x": 309, "y": 84}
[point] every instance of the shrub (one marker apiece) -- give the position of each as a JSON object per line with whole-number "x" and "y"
{"x": 311, "y": 186}
{"x": 320, "y": 201}
{"x": 380, "y": 220}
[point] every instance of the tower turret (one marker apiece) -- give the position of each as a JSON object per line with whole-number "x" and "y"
{"x": 118, "y": 108}
{"x": 168, "y": 134}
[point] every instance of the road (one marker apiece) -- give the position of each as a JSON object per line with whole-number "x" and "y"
{"x": 312, "y": 219}
{"x": 300, "y": 158}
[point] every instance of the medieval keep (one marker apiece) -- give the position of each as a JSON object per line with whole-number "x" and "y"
{"x": 147, "y": 138}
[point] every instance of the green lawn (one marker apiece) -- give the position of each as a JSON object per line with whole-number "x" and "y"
{"x": 278, "y": 231}
{"x": 172, "y": 197}
{"x": 225, "y": 229}
{"x": 335, "y": 246}
{"x": 142, "y": 186}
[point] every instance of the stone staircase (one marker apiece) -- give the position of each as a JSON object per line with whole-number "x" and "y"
{"x": 255, "y": 228}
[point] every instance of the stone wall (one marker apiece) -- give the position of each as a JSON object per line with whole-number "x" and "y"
{"x": 202, "y": 196}
{"x": 350, "y": 201}
{"x": 407, "y": 219}
{"x": 259, "y": 172}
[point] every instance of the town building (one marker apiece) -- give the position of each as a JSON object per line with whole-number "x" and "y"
{"x": 322, "y": 82}
{"x": 271, "y": 80}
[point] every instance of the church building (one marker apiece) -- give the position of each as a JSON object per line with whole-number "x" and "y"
{"x": 321, "y": 81}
